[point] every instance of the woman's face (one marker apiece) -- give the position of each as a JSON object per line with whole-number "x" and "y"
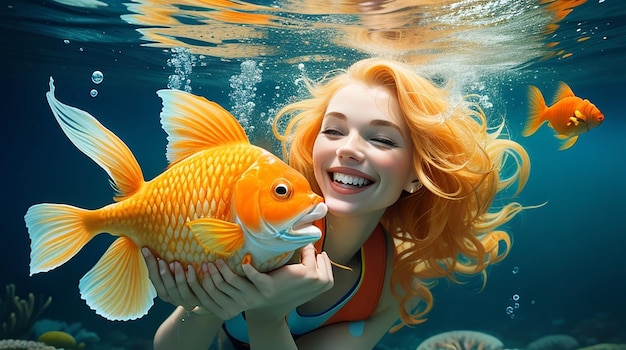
{"x": 362, "y": 156}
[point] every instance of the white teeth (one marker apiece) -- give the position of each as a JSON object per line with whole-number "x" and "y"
{"x": 350, "y": 180}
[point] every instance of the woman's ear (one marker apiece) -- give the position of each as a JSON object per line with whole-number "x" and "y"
{"x": 413, "y": 186}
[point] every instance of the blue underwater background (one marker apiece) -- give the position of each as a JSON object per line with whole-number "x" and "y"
{"x": 565, "y": 273}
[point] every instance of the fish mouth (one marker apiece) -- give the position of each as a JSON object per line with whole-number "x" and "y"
{"x": 303, "y": 229}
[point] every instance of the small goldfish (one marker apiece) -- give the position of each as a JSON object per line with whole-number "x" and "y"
{"x": 569, "y": 115}
{"x": 219, "y": 198}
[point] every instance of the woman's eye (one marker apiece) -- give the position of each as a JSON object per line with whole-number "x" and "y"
{"x": 385, "y": 141}
{"x": 331, "y": 132}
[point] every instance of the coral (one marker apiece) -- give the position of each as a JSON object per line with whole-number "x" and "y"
{"x": 18, "y": 315}
{"x": 75, "y": 329}
{"x": 14, "y": 344}
{"x": 60, "y": 340}
{"x": 553, "y": 342}
{"x": 605, "y": 346}
{"x": 461, "y": 340}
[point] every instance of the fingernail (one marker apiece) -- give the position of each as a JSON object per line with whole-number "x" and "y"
{"x": 162, "y": 267}
{"x": 212, "y": 268}
{"x": 145, "y": 251}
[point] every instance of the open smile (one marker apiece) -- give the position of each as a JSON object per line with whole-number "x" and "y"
{"x": 350, "y": 180}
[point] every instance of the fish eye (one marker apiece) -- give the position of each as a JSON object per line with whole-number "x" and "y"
{"x": 281, "y": 189}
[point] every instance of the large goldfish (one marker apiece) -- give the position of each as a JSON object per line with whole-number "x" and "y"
{"x": 569, "y": 115}
{"x": 220, "y": 197}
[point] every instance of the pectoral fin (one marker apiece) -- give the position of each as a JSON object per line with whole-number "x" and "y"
{"x": 572, "y": 121}
{"x": 580, "y": 116}
{"x": 220, "y": 237}
{"x": 567, "y": 142}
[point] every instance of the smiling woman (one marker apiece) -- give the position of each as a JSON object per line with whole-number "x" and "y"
{"x": 362, "y": 151}
{"x": 408, "y": 179}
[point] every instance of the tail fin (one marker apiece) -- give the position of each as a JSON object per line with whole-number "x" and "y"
{"x": 99, "y": 144}
{"x": 57, "y": 233}
{"x": 537, "y": 106}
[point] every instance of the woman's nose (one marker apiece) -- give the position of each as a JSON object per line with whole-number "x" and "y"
{"x": 351, "y": 148}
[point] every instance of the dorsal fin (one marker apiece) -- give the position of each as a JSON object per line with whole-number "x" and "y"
{"x": 562, "y": 92}
{"x": 99, "y": 144}
{"x": 194, "y": 123}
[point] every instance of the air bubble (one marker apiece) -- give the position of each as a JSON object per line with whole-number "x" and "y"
{"x": 97, "y": 77}
{"x": 93, "y": 93}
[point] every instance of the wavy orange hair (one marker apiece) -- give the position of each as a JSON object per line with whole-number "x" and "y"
{"x": 449, "y": 226}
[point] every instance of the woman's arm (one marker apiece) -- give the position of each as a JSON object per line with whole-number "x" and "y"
{"x": 267, "y": 326}
{"x": 187, "y": 330}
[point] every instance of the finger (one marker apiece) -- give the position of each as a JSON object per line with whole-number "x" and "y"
{"x": 167, "y": 281}
{"x": 220, "y": 282}
{"x": 153, "y": 269}
{"x": 308, "y": 254}
{"x": 219, "y": 302}
{"x": 326, "y": 269}
{"x": 239, "y": 283}
{"x": 181, "y": 292}
{"x": 257, "y": 278}
{"x": 200, "y": 289}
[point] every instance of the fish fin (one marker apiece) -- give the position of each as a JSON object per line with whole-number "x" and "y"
{"x": 247, "y": 259}
{"x": 568, "y": 142}
{"x": 220, "y": 237}
{"x": 99, "y": 144}
{"x": 562, "y": 92}
{"x": 536, "y": 108}
{"x": 193, "y": 123}
{"x": 57, "y": 233}
{"x": 580, "y": 116}
{"x": 572, "y": 121}
{"x": 118, "y": 287}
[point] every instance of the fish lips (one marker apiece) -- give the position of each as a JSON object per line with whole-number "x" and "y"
{"x": 303, "y": 229}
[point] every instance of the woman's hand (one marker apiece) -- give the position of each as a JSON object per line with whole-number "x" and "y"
{"x": 170, "y": 281}
{"x": 291, "y": 285}
{"x": 226, "y": 294}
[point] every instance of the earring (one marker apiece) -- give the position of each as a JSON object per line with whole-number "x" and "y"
{"x": 415, "y": 186}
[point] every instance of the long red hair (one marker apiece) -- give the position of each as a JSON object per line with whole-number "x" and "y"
{"x": 449, "y": 226}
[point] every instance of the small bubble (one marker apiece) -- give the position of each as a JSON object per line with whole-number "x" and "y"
{"x": 509, "y": 310}
{"x": 515, "y": 270}
{"x": 93, "y": 93}
{"x": 97, "y": 77}
{"x": 66, "y": 41}
{"x": 516, "y": 297}
{"x": 516, "y": 305}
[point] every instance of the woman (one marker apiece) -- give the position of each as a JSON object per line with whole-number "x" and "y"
{"x": 409, "y": 179}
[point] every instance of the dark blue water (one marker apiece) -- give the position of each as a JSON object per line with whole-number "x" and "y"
{"x": 566, "y": 267}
